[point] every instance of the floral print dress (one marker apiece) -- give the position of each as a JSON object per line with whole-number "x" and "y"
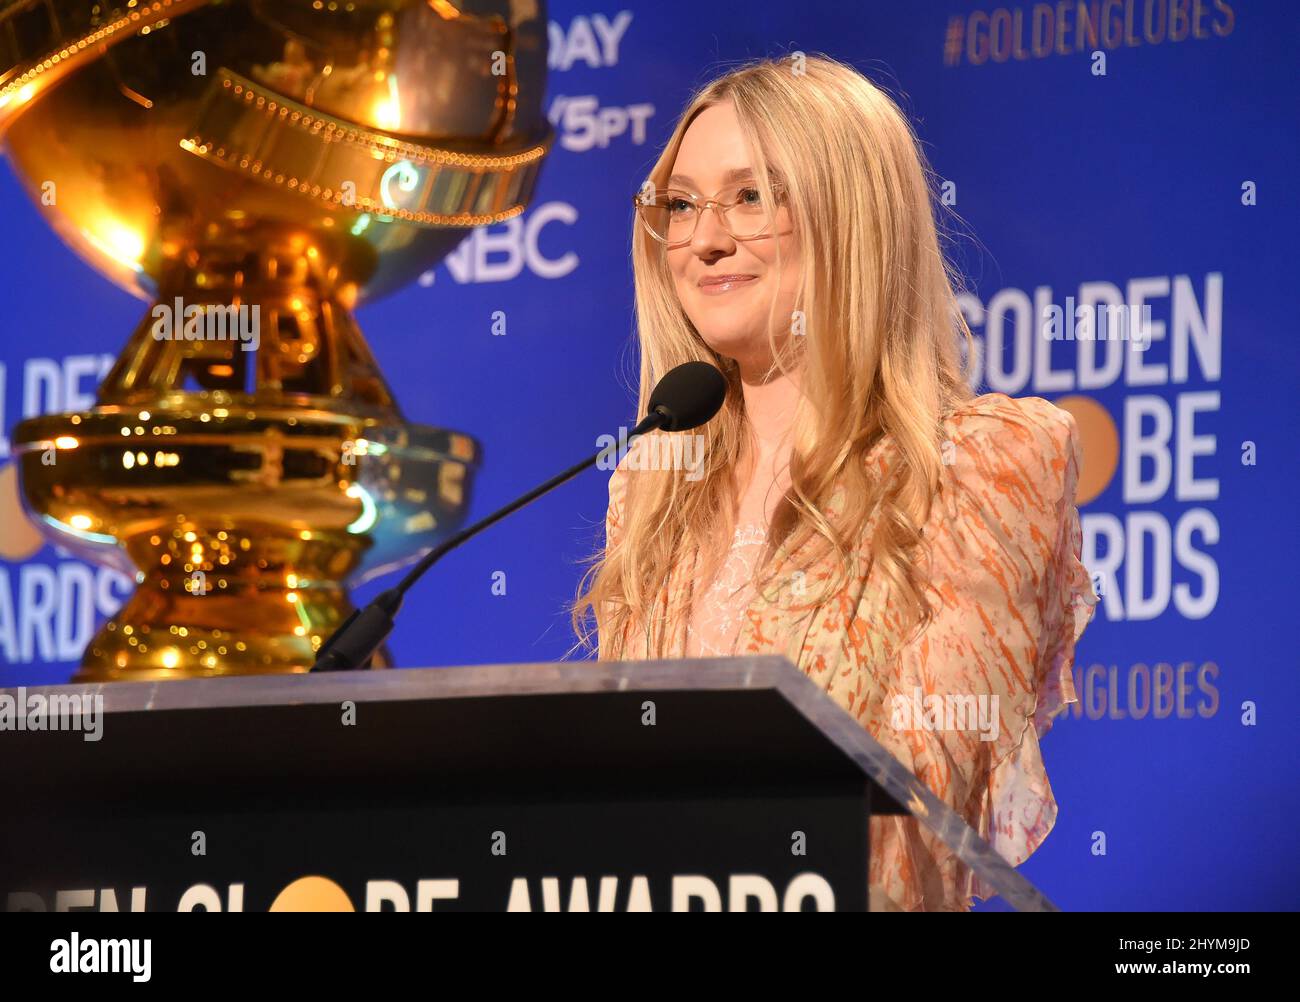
{"x": 1010, "y": 598}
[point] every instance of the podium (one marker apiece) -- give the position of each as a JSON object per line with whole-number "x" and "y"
{"x": 686, "y": 785}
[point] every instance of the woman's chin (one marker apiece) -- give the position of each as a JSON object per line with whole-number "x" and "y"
{"x": 734, "y": 345}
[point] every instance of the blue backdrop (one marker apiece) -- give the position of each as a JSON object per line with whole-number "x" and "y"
{"x": 1152, "y": 164}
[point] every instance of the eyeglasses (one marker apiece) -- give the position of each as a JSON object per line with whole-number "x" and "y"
{"x": 670, "y": 215}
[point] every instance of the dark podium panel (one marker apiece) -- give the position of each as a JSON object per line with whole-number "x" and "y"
{"x": 731, "y": 784}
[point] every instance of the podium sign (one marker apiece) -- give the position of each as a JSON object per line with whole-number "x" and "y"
{"x": 689, "y": 785}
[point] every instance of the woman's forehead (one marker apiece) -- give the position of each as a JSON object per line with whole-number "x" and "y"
{"x": 713, "y": 149}
{"x": 732, "y": 175}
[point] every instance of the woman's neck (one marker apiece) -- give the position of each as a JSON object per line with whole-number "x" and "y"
{"x": 770, "y": 402}
{"x": 769, "y": 406}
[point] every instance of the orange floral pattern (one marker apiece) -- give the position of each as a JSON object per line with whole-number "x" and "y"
{"x": 1010, "y": 599}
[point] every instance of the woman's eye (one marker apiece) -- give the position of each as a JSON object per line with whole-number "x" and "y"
{"x": 749, "y": 196}
{"x": 678, "y": 205}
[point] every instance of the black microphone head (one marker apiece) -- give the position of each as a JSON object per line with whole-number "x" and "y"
{"x": 689, "y": 395}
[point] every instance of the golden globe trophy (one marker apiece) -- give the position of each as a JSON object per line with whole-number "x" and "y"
{"x": 256, "y": 169}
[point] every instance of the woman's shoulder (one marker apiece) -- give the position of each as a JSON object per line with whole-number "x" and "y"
{"x": 1009, "y": 459}
{"x": 1025, "y": 419}
{"x": 996, "y": 436}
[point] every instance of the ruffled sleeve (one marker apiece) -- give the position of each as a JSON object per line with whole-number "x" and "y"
{"x": 1010, "y": 598}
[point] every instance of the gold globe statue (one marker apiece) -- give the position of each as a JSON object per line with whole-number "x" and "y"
{"x": 256, "y": 169}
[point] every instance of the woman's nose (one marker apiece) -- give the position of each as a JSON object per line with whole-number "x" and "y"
{"x": 710, "y": 235}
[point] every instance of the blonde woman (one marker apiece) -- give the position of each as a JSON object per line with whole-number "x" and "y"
{"x": 857, "y": 510}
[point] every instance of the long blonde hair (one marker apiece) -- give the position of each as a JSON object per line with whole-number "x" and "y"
{"x": 878, "y": 356}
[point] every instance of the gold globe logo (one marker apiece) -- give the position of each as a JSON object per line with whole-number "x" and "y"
{"x": 1100, "y": 445}
{"x": 312, "y": 894}
{"x": 18, "y": 537}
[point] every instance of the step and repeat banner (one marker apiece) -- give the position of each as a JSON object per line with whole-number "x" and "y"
{"x": 1135, "y": 155}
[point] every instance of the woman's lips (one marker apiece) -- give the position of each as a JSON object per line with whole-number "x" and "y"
{"x": 717, "y": 285}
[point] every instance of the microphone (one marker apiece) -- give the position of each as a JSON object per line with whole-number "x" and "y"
{"x": 687, "y": 397}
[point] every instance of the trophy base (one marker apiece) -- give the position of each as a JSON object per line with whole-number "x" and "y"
{"x": 252, "y": 631}
{"x": 242, "y": 524}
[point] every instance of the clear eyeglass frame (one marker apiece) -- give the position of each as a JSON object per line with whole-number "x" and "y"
{"x": 701, "y": 203}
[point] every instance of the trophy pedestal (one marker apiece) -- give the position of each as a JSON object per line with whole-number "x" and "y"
{"x": 249, "y": 630}
{"x": 241, "y": 524}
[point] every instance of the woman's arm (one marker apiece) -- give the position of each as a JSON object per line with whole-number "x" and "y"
{"x": 1010, "y": 599}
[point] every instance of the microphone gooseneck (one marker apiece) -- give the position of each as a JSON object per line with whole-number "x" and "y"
{"x": 687, "y": 397}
